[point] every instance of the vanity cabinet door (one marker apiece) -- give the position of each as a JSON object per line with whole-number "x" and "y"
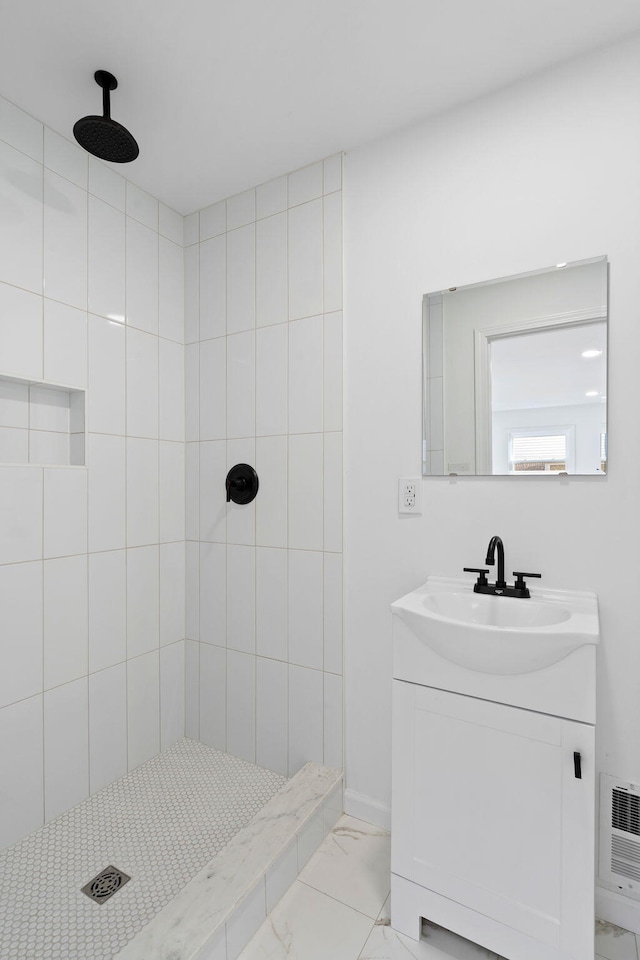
{"x": 488, "y": 811}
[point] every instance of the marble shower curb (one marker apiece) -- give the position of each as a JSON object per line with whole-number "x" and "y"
{"x": 215, "y": 915}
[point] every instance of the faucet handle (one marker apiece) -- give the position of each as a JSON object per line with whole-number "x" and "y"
{"x": 482, "y": 578}
{"x": 520, "y": 584}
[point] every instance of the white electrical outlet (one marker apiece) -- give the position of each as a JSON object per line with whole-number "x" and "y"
{"x": 410, "y": 495}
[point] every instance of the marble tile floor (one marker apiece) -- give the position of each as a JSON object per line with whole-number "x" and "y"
{"x": 160, "y": 824}
{"x": 339, "y": 908}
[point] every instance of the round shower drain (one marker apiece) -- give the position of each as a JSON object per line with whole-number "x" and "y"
{"x": 105, "y": 884}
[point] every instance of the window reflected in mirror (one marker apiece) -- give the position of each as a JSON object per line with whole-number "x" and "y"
{"x": 515, "y": 375}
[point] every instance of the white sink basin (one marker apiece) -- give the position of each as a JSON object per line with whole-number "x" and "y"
{"x": 498, "y": 635}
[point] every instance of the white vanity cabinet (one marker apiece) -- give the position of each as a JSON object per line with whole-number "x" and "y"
{"x": 493, "y": 802}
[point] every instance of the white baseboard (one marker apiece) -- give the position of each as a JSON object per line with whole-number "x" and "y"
{"x": 367, "y": 809}
{"x": 615, "y": 908}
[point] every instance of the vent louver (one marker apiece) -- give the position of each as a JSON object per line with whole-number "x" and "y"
{"x": 625, "y": 811}
{"x": 620, "y": 835}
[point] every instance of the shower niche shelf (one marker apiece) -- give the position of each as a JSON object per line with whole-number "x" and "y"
{"x": 41, "y": 423}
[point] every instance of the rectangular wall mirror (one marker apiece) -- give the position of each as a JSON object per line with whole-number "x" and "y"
{"x": 515, "y": 374}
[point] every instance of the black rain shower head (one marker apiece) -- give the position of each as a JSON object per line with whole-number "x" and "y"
{"x": 102, "y": 136}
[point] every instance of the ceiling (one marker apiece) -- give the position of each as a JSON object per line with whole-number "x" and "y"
{"x": 224, "y": 94}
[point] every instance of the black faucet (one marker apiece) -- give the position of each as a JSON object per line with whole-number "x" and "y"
{"x": 500, "y": 588}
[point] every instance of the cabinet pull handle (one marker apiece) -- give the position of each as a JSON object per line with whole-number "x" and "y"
{"x": 577, "y": 765}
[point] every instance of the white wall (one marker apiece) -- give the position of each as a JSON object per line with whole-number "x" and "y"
{"x": 263, "y": 274}
{"x": 544, "y": 172}
{"x": 91, "y": 558}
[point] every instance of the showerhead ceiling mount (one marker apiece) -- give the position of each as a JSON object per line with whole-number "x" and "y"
{"x": 102, "y": 136}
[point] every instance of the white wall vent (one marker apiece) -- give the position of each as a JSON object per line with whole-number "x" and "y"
{"x": 620, "y": 835}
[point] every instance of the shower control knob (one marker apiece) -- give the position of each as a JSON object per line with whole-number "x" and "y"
{"x": 242, "y": 483}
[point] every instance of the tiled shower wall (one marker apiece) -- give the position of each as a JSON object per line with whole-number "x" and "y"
{"x": 263, "y": 325}
{"x": 91, "y": 558}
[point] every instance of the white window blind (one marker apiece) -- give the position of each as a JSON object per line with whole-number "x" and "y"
{"x": 603, "y": 446}
{"x": 541, "y": 449}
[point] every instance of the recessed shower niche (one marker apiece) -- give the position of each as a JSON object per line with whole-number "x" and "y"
{"x": 41, "y": 423}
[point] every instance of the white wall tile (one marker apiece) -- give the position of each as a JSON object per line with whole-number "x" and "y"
{"x": 20, "y": 130}
{"x": 65, "y": 512}
{"x": 107, "y": 726}
{"x": 305, "y": 608}
{"x": 272, "y": 742}
{"x": 143, "y": 708}
{"x": 106, "y": 398}
{"x": 142, "y": 206}
{"x": 14, "y": 403}
{"x": 171, "y": 290}
{"x": 332, "y": 173}
{"x": 192, "y": 690}
{"x": 107, "y": 609}
{"x": 333, "y": 492}
{"x": 305, "y": 491}
{"x": 213, "y": 288}
{"x": 241, "y": 705}
{"x": 66, "y": 647}
{"x": 106, "y": 184}
{"x": 213, "y": 220}
{"x": 271, "y": 270}
{"x": 20, "y": 332}
{"x": 170, "y": 224}
{"x": 65, "y": 158}
{"x": 21, "y": 222}
{"x": 143, "y": 600}
{"x": 66, "y": 747}
{"x": 142, "y": 384}
{"x": 332, "y": 721}
{"x": 192, "y": 294}
{"x": 48, "y": 409}
{"x": 271, "y": 603}
{"x": 65, "y": 241}
{"x": 241, "y": 263}
{"x": 305, "y": 717}
{"x": 333, "y": 612}
{"x": 21, "y": 648}
{"x": 106, "y": 494}
{"x": 65, "y": 344}
{"x": 305, "y": 260}
{"x": 271, "y": 502}
{"x": 241, "y": 517}
{"x": 215, "y": 947}
{"x": 191, "y": 228}
{"x": 332, "y": 247}
{"x": 49, "y": 448}
{"x": 333, "y": 371}
{"x": 212, "y": 491}
{"x": 305, "y": 375}
{"x": 171, "y": 491}
{"x": 241, "y": 385}
{"x": 245, "y": 921}
{"x": 213, "y": 389}
{"x": 142, "y": 277}
{"x": 241, "y": 598}
{"x": 271, "y": 197}
{"x": 213, "y": 696}
{"x": 142, "y": 492}
{"x": 192, "y": 518}
{"x": 106, "y": 260}
{"x": 192, "y": 391}
{"x": 272, "y": 358}
{"x": 192, "y": 598}
{"x": 305, "y": 184}
{"x": 171, "y": 391}
{"x": 21, "y": 762}
{"x": 20, "y": 514}
{"x": 172, "y": 592}
{"x": 212, "y": 593}
{"x": 172, "y": 694}
{"x": 241, "y": 209}
{"x": 14, "y": 445}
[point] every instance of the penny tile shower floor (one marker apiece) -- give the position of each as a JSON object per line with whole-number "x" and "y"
{"x": 160, "y": 824}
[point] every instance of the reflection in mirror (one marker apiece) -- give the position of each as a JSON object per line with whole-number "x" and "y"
{"x": 515, "y": 375}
